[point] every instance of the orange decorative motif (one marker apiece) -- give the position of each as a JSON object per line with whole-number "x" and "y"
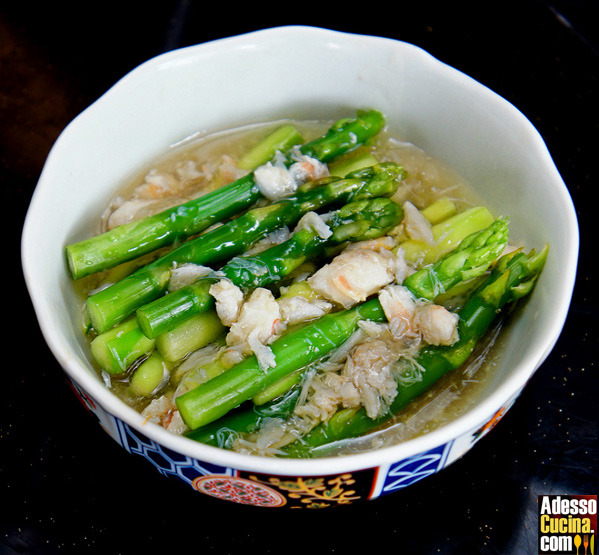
{"x": 317, "y": 492}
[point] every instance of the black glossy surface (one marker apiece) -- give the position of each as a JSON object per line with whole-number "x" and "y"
{"x": 68, "y": 488}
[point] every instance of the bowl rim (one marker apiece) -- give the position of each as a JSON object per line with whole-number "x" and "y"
{"x": 464, "y": 424}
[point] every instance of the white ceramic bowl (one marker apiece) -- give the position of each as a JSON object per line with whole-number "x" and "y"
{"x": 300, "y": 72}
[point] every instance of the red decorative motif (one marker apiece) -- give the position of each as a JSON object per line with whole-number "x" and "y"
{"x": 83, "y": 397}
{"x": 491, "y": 423}
{"x": 239, "y": 490}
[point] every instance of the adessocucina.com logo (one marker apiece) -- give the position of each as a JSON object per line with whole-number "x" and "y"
{"x": 568, "y": 524}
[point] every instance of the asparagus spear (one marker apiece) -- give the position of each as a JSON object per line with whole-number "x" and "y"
{"x": 440, "y": 210}
{"x": 512, "y": 278}
{"x": 116, "y": 349}
{"x": 173, "y": 225}
{"x": 281, "y": 139}
{"x": 448, "y": 234}
{"x": 191, "y": 335}
{"x": 482, "y": 249}
{"x": 356, "y": 221}
{"x": 224, "y": 431}
{"x": 151, "y": 374}
{"x": 118, "y": 301}
{"x": 469, "y": 260}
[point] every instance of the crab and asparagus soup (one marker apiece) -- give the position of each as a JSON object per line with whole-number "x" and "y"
{"x": 298, "y": 288}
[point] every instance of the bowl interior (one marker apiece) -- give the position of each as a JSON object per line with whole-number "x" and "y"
{"x": 302, "y": 73}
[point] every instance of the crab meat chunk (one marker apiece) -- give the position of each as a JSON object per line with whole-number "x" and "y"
{"x": 229, "y": 299}
{"x": 416, "y": 225}
{"x": 411, "y": 317}
{"x": 354, "y": 275}
{"x": 366, "y": 379}
{"x": 329, "y": 391}
{"x": 163, "y": 412}
{"x": 399, "y": 305}
{"x": 389, "y": 246}
{"x": 185, "y": 274}
{"x": 437, "y": 325}
{"x": 315, "y": 222}
{"x": 258, "y": 325}
{"x": 123, "y": 212}
{"x": 275, "y": 180}
{"x": 297, "y": 308}
{"x": 369, "y": 368}
{"x": 306, "y": 168}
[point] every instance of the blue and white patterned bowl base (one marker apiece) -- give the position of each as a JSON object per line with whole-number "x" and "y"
{"x": 291, "y": 491}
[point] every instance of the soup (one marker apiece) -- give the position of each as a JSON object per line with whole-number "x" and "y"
{"x": 298, "y": 289}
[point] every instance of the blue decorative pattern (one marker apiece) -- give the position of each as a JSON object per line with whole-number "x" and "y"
{"x": 166, "y": 461}
{"x": 414, "y": 469}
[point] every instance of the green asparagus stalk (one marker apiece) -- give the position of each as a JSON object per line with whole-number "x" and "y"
{"x": 447, "y": 234}
{"x": 512, "y": 278}
{"x": 191, "y": 335}
{"x": 345, "y": 135}
{"x": 173, "y": 225}
{"x": 361, "y": 158}
{"x": 469, "y": 260}
{"x": 116, "y": 349}
{"x": 224, "y": 431}
{"x": 118, "y": 301}
{"x": 481, "y": 248}
{"x": 279, "y": 388}
{"x": 440, "y": 210}
{"x": 280, "y": 140}
{"x": 151, "y": 374}
{"x": 356, "y": 221}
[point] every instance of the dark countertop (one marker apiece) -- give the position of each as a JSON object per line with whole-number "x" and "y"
{"x": 68, "y": 488}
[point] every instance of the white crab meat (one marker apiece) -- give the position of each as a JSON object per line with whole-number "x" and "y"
{"x": 275, "y": 180}
{"x": 315, "y": 222}
{"x": 437, "y": 325}
{"x": 354, "y": 275}
{"x": 258, "y": 325}
{"x": 163, "y": 411}
{"x": 305, "y": 168}
{"x": 387, "y": 245}
{"x": 297, "y": 308}
{"x": 366, "y": 380}
{"x": 328, "y": 392}
{"x": 399, "y": 305}
{"x": 224, "y": 170}
{"x": 124, "y": 212}
{"x": 158, "y": 185}
{"x": 412, "y": 318}
{"x": 185, "y": 274}
{"x": 229, "y": 299}
{"x": 161, "y": 190}
{"x": 187, "y": 170}
{"x": 416, "y": 225}
{"x": 369, "y": 368}
{"x": 402, "y": 268}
